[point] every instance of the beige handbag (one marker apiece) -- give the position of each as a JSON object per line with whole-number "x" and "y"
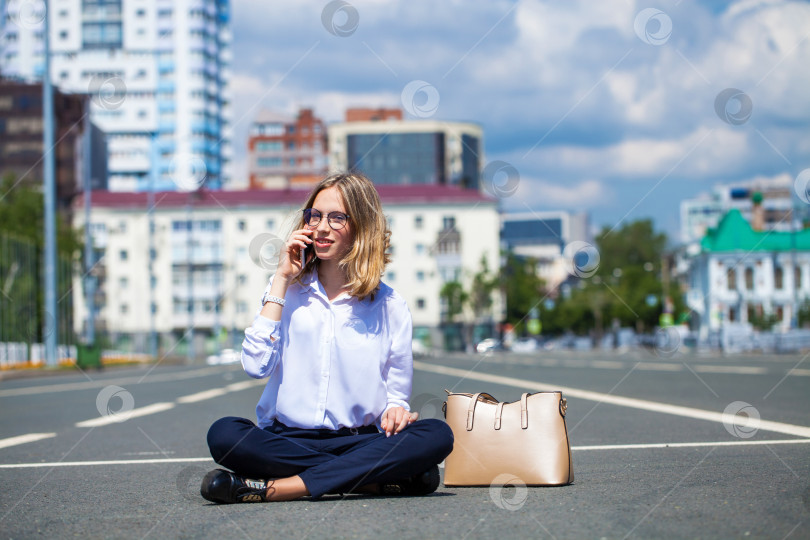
{"x": 501, "y": 443}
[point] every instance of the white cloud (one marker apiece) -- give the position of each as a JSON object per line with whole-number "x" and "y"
{"x": 548, "y": 194}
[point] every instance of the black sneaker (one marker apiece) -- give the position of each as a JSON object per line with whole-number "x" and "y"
{"x": 224, "y": 487}
{"x": 421, "y": 484}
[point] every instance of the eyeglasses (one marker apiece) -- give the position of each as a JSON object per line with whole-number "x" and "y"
{"x": 336, "y": 220}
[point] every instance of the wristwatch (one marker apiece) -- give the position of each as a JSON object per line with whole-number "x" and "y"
{"x": 270, "y": 298}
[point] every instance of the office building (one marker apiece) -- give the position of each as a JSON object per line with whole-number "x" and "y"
{"x": 542, "y": 237}
{"x": 286, "y": 152}
{"x": 156, "y": 71}
{"x": 206, "y": 244}
{"x": 79, "y": 143}
{"x": 390, "y": 150}
{"x": 702, "y": 213}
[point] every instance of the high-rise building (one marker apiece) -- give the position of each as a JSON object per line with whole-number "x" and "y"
{"x": 157, "y": 72}
{"x": 286, "y": 152}
{"x": 390, "y": 150}
{"x": 21, "y": 141}
{"x": 703, "y": 213}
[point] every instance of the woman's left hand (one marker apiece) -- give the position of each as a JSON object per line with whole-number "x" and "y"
{"x": 396, "y": 419}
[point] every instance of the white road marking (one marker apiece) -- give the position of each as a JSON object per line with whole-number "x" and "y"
{"x": 96, "y": 463}
{"x": 22, "y": 439}
{"x": 576, "y": 448}
{"x": 741, "y": 370}
{"x": 124, "y": 416}
{"x": 654, "y": 406}
{"x": 689, "y": 445}
{"x": 84, "y": 385}
{"x": 160, "y": 407}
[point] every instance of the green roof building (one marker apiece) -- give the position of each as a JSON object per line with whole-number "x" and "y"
{"x": 741, "y": 274}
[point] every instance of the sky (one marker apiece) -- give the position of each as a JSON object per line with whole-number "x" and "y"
{"x": 617, "y": 108}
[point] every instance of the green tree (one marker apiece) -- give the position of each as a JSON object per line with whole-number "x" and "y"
{"x": 483, "y": 285}
{"x": 523, "y": 289}
{"x": 454, "y": 297}
{"x": 21, "y": 245}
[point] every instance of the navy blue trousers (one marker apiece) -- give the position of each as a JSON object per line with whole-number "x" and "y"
{"x": 328, "y": 461}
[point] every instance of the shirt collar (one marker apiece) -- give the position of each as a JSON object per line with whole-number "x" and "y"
{"x": 313, "y": 284}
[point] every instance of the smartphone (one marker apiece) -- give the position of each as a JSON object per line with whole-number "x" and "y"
{"x": 305, "y": 255}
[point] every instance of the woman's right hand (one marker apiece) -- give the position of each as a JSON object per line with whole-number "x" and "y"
{"x": 290, "y": 263}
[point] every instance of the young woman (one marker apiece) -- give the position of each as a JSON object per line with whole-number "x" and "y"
{"x": 335, "y": 343}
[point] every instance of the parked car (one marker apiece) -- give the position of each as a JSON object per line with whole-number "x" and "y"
{"x": 527, "y": 344}
{"x": 225, "y": 356}
{"x": 487, "y": 345}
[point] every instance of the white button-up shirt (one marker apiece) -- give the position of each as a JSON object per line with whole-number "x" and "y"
{"x": 331, "y": 364}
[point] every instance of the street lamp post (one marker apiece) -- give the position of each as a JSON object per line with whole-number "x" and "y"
{"x": 50, "y": 334}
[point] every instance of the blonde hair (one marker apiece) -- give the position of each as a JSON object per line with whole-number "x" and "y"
{"x": 365, "y": 262}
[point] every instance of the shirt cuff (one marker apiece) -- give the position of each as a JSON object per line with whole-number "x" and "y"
{"x": 266, "y": 328}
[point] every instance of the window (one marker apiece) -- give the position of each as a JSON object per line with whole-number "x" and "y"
{"x": 391, "y": 276}
{"x": 420, "y": 303}
{"x": 241, "y": 225}
{"x": 448, "y": 222}
{"x": 749, "y": 279}
{"x": 242, "y": 279}
{"x": 124, "y": 309}
{"x": 123, "y": 255}
{"x": 418, "y": 222}
{"x": 778, "y": 278}
{"x": 241, "y": 307}
{"x": 63, "y": 34}
{"x": 797, "y": 278}
{"x": 420, "y": 249}
{"x": 123, "y": 282}
{"x": 731, "y": 279}
{"x": 271, "y": 224}
{"x": 420, "y": 275}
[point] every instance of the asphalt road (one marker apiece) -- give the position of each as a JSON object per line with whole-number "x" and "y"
{"x": 660, "y": 465}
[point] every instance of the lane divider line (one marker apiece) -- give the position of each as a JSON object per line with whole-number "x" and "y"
{"x": 573, "y": 448}
{"x": 22, "y": 439}
{"x": 165, "y": 406}
{"x": 654, "y": 406}
{"x": 101, "y": 383}
{"x": 124, "y": 416}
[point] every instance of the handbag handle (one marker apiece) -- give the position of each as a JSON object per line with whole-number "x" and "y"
{"x": 524, "y": 411}
{"x": 471, "y": 407}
